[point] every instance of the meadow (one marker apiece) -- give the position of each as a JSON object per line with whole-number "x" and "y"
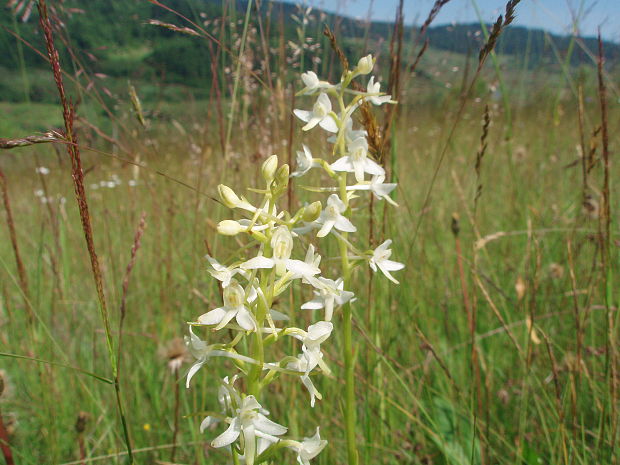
{"x": 499, "y": 346}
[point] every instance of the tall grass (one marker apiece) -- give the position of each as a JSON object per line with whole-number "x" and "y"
{"x": 499, "y": 347}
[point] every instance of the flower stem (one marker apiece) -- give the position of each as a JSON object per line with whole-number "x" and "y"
{"x": 347, "y": 318}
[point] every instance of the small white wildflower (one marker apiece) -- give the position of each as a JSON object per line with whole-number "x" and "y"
{"x": 327, "y": 294}
{"x": 250, "y": 423}
{"x": 332, "y": 217}
{"x": 39, "y": 193}
{"x": 42, "y": 170}
{"x": 305, "y": 365}
{"x": 282, "y": 246}
{"x": 357, "y": 161}
{"x": 380, "y": 259}
{"x": 380, "y": 189}
{"x": 374, "y": 88}
{"x": 313, "y": 83}
{"x": 309, "y": 448}
{"x": 222, "y": 273}
{"x": 234, "y": 300}
{"x": 305, "y": 162}
{"x": 320, "y": 115}
{"x": 201, "y": 352}
{"x": 350, "y": 134}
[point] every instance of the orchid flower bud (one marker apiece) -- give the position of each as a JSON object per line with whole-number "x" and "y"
{"x": 229, "y": 228}
{"x": 269, "y": 168}
{"x": 228, "y": 196}
{"x": 312, "y": 212}
{"x": 365, "y": 64}
{"x": 280, "y": 181}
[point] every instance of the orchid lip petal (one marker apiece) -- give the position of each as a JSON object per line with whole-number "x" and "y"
{"x": 213, "y": 317}
{"x": 229, "y": 436}
{"x": 258, "y": 262}
{"x": 303, "y": 115}
{"x": 268, "y": 426}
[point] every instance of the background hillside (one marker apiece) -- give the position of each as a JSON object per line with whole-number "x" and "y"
{"x": 114, "y": 40}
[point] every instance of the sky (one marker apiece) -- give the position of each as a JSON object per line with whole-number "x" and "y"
{"x": 552, "y": 15}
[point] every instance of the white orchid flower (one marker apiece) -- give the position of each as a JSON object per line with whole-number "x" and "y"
{"x": 313, "y": 83}
{"x": 262, "y": 445}
{"x": 282, "y": 246}
{"x": 316, "y": 334}
{"x": 228, "y": 397}
{"x": 305, "y": 365}
{"x": 309, "y": 448}
{"x": 332, "y": 217}
{"x": 327, "y": 294}
{"x": 234, "y": 307}
{"x": 380, "y": 259}
{"x": 350, "y": 134}
{"x": 320, "y": 115}
{"x": 308, "y": 272}
{"x": 311, "y": 343}
{"x": 201, "y": 352}
{"x": 380, "y": 189}
{"x": 223, "y": 273}
{"x": 374, "y": 88}
{"x": 357, "y": 161}
{"x": 305, "y": 162}
{"x": 251, "y": 424}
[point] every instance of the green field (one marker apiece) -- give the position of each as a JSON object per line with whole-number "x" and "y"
{"x": 499, "y": 346}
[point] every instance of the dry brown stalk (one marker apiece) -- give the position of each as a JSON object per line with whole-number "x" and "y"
{"x": 605, "y": 233}
{"x": 73, "y": 150}
{"x": 484, "y": 53}
{"x": 427, "y": 345}
{"x": 21, "y": 269}
{"x": 499, "y": 25}
{"x": 455, "y": 227}
{"x": 132, "y": 262}
{"x": 582, "y": 140}
{"x": 337, "y": 50}
{"x": 5, "y": 445}
{"x": 480, "y": 155}
{"x": 432, "y": 15}
{"x": 418, "y": 57}
{"x": 80, "y": 427}
{"x": 396, "y": 52}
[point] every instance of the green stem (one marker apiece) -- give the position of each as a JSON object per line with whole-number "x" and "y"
{"x": 350, "y": 407}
